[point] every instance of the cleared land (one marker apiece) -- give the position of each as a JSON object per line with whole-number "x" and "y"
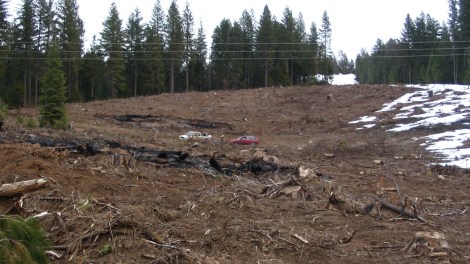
{"x": 316, "y": 190}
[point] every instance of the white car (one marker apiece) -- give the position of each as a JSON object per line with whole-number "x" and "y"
{"x": 195, "y": 135}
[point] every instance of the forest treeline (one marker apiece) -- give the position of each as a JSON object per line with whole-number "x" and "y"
{"x": 165, "y": 54}
{"x": 169, "y": 54}
{"x": 427, "y": 52}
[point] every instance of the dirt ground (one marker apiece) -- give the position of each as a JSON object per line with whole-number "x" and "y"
{"x": 315, "y": 190}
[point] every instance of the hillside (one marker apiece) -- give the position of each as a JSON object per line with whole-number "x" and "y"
{"x": 123, "y": 188}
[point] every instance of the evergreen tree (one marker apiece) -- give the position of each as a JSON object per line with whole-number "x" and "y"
{"x": 71, "y": 40}
{"x": 52, "y": 99}
{"x": 4, "y": 47}
{"x": 188, "y": 29}
{"x": 247, "y": 23}
{"x": 24, "y": 35}
{"x": 220, "y": 55}
{"x": 154, "y": 73}
{"x": 288, "y": 44}
{"x": 314, "y": 48}
{"x": 198, "y": 62}
{"x": 303, "y": 67}
{"x": 464, "y": 22}
{"x": 92, "y": 70}
{"x": 47, "y": 24}
{"x": 134, "y": 36}
{"x": 454, "y": 30}
{"x": 325, "y": 52}
{"x": 112, "y": 45}
{"x": 22, "y": 241}
{"x": 46, "y": 30}
{"x": 265, "y": 47}
{"x": 154, "y": 70}
{"x": 175, "y": 42}
{"x": 408, "y": 34}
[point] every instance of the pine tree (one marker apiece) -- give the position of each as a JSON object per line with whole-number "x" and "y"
{"x": 112, "y": 45}
{"x": 289, "y": 44}
{"x": 454, "y": 30}
{"x": 52, "y": 100}
{"x": 198, "y": 62}
{"x": 325, "y": 52}
{"x": 264, "y": 47}
{"x": 247, "y": 23}
{"x": 134, "y": 36}
{"x": 92, "y": 70}
{"x": 313, "y": 46}
{"x": 175, "y": 45}
{"x": 154, "y": 73}
{"x": 24, "y": 35}
{"x": 4, "y": 39}
{"x": 220, "y": 55}
{"x": 71, "y": 40}
{"x": 22, "y": 241}
{"x": 188, "y": 29}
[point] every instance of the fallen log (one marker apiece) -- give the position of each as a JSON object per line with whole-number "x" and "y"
{"x": 14, "y": 189}
{"x": 400, "y": 210}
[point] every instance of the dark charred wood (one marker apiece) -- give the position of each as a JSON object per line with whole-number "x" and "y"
{"x": 215, "y": 164}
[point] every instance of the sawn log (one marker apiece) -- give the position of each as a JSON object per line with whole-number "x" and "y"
{"x": 13, "y": 189}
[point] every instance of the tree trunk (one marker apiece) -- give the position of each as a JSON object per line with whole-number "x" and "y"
{"x": 13, "y": 189}
{"x": 172, "y": 77}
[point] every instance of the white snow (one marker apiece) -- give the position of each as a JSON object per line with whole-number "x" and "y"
{"x": 448, "y": 109}
{"x": 344, "y": 79}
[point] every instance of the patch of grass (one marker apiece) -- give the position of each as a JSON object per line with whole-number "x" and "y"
{"x": 83, "y": 205}
{"x": 105, "y": 250}
{"x": 31, "y": 123}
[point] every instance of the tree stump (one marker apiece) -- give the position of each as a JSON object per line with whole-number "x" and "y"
{"x": 431, "y": 244}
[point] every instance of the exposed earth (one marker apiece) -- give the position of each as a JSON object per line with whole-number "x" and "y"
{"x": 123, "y": 189}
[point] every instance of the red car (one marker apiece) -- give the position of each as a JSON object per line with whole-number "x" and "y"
{"x": 245, "y": 140}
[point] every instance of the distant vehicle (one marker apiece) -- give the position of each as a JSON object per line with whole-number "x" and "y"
{"x": 195, "y": 136}
{"x": 245, "y": 140}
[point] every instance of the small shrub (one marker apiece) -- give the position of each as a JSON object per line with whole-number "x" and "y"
{"x": 3, "y": 113}
{"x": 22, "y": 241}
{"x": 31, "y": 123}
{"x": 105, "y": 250}
{"x": 20, "y": 121}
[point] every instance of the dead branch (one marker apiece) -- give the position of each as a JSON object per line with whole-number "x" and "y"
{"x": 348, "y": 239}
{"x": 18, "y": 188}
{"x": 303, "y": 240}
{"x": 166, "y": 246}
{"x": 400, "y": 210}
{"x": 76, "y": 244}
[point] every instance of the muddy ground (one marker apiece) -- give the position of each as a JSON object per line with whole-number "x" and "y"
{"x": 123, "y": 189}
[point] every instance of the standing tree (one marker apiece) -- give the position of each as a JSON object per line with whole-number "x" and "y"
{"x": 4, "y": 35}
{"x": 52, "y": 100}
{"x": 188, "y": 29}
{"x": 198, "y": 61}
{"x": 220, "y": 55}
{"x": 71, "y": 41}
{"x": 175, "y": 48}
{"x": 46, "y": 32}
{"x": 325, "y": 54}
{"x": 454, "y": 29}
{"x": 264, "y": 47}
{"x": 154, "y": 70}
{"x": 134, "y": 36}
{"x": 24, "y": 34}
{"x": 112, "y": 44}
{"x": 92, "y": 69}
{"x": 314, "y": 51}
{"x": 247, "y": 23}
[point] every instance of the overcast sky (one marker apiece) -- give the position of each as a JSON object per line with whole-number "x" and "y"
{"x": 355, "y": 24}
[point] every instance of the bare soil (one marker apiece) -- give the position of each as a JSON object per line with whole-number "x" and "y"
{"x": 314, "y": 198}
